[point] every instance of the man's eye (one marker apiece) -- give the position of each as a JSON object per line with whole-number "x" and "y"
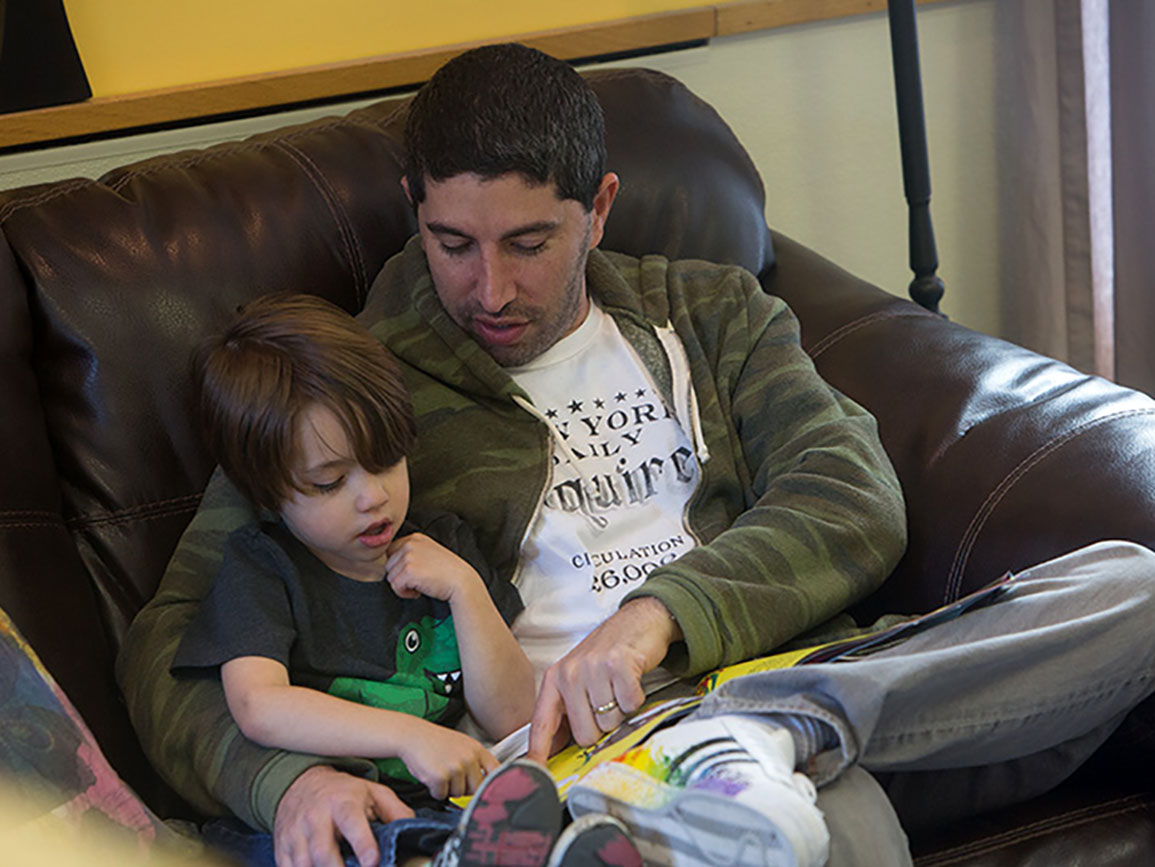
{"x": 328, "y": 487}
{"x": 524, "y": 249}
{"x": 455, "y": 249}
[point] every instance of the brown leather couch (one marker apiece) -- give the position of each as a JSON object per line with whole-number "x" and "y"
{"x": 1007, "y": 458}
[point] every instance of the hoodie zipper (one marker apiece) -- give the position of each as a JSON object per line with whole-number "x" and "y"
{"x": 686, "y": 411}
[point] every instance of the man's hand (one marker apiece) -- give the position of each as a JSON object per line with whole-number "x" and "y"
{"x": 604, "y": 671}
{"x": 324, "y": 805}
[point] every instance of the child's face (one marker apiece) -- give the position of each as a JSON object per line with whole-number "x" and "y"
{"x": 347, "y": 516}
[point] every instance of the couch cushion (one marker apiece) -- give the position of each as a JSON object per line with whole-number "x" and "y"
{"x": 1007, "y": 458}
{"x": 128, "y": 273}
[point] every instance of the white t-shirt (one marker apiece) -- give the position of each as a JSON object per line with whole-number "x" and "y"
{"x": 616, "y": 500}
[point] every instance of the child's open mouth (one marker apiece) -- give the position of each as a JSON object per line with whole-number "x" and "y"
{"x": 377, "y": 535}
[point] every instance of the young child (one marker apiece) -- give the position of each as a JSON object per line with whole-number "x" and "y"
{"x": 341, "y": 623}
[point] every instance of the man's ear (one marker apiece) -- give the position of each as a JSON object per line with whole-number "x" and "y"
{"x": 603, "y": 201}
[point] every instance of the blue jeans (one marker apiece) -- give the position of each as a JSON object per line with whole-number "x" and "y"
{"x": 999, "y": 705}
{"x": 424, "y": 834}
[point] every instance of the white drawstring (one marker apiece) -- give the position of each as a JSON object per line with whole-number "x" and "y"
{"x": 598, "y": 521}
{"x": 685, "y": 397}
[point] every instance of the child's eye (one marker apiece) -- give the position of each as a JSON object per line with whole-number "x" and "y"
{"x": 328, "y": 487}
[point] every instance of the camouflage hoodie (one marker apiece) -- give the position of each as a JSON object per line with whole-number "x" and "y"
{"x": 798, "y": 511}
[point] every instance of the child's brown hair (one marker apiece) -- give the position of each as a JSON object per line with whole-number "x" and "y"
{"x": 280, "y": 356}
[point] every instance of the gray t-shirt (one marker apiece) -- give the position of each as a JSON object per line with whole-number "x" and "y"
{"x": 360, "y": 641}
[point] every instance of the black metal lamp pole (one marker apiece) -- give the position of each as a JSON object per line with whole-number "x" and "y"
{"x": 926, "y": 288}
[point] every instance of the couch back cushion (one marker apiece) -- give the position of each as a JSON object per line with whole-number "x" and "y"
{"x": 1007, "y": 458}
{"x": 130, "y": 272}
{"x": 126, "y": 274}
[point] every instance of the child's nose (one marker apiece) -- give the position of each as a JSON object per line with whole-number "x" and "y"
{"x": 372, "y": 494}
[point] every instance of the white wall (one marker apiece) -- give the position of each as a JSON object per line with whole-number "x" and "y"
{"x": 814, "y": 105}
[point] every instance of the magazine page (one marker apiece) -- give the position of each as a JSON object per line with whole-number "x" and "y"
{"x": 575, "y": 761}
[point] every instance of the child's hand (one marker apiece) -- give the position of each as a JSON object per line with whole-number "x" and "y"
{"x": 418, "y": 566}
{"x": 448, "y": 762}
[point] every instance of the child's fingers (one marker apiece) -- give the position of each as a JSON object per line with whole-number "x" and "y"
{"x": 438, "y": 786}
{"x": 412, "y": 540}
{"x": 463, "y": 781}
{"x": 402, "y": 585}
{"x": 485, "y": 765}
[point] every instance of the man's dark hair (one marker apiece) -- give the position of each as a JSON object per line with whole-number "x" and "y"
{"x": 507, "y": 108}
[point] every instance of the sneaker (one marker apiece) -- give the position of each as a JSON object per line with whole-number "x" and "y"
{"x": 595, "y": 839}
{"x": 512, "y": 820}
{"x": 718, "y": 791}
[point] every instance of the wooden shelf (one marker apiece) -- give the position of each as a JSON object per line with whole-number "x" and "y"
{"x": 747, "y": 15}
{"x": 102, "y": 115}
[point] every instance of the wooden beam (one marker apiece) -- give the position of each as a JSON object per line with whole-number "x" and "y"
{"x": 367, "y": 76}
{"x": 744, "y": 16}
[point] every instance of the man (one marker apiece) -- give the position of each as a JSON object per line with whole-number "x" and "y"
{"x": 645, "y": 451}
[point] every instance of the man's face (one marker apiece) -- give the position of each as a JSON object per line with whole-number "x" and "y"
{"x": 508, "y": 259}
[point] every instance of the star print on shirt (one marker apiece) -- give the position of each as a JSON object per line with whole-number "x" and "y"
{"x": 620, "y": 396}
{"x": 599, "y": 403}
{"x": 551, "y": 413}
{"x": 575, "y": 406}
{"x": 641, "y": 392}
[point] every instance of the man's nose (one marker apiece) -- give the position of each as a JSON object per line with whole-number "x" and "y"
{"x": 495, "y": 283}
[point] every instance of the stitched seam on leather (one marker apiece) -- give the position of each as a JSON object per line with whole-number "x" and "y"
{"x": 385, "y": 120}
{"x": 340, "y": 217}
{"x": 24, "y": 525}
{"x": 172, "y": 163}
{"x": 1037, "y": 829}
{"x": 849, "y": 328}
{"x": 1075, "y": 818}
{"x": 28, "y": 513}
{"x": 218, "y": 151}
{"x": 1000, "y": 491}
{"x": 160, "y": 508}
{"x": 58, "y": 189}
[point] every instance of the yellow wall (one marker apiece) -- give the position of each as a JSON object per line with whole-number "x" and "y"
{"x": 135, "y": 45}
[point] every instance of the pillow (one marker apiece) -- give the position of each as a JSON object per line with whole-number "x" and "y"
{"x": 52, "y": 771}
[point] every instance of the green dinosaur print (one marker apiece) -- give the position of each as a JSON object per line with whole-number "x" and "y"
{"x": 427, "y": 676}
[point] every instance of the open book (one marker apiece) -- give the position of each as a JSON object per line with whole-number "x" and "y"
{"x": 575, "y": 761}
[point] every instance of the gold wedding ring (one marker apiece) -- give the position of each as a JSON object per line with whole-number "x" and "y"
{"x": 607, "y": 707}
